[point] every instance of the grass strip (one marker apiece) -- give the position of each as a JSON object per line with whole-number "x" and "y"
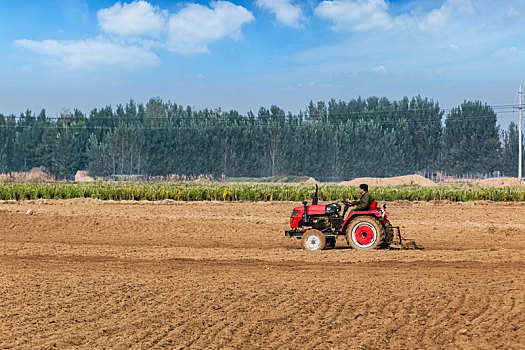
{"x": 251, "y": 192}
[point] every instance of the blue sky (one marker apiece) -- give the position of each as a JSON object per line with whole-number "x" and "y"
{"x": 64, "y": 54}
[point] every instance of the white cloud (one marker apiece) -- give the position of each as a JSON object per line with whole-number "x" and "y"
{"x": 284, "y": 10}
{"x": 379, "y": 69}
{"x": 306, "y": 84}
{"x": 195, "y": 26}
{"x": 461, "y": 6}
{"x": 138, "y": 18}
{"x": 513, "y": 13}
{"x": 437, "y": 19}
{"x": 367, "y": 15}
{"x": 506, "y": 53}
{"x": 355, "y": 15}
{"x": 131, "y": 31}
{"x": 90, "y": 53}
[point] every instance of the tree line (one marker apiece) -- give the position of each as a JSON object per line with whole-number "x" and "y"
{"x": 329, "y": 141}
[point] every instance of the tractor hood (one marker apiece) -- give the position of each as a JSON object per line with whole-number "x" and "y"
{"x": 319, "y": 209}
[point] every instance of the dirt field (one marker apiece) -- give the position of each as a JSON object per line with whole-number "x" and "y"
{"x": 92, "y": 274}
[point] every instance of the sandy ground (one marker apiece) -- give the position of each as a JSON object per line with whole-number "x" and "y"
{"x": 91, "y": 274}
{"x": 501, "y": 182}
{"x": 405, "y": 180}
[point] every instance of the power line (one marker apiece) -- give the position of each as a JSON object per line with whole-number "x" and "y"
{"x": 305, "y": 123}
{"x": 507, "y": 108}
{"x": 257, "y": 120}
{"x": 519, "y": 139}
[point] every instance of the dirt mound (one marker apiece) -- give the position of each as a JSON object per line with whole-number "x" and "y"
{"x": 391, "y": 181}
{"x": 32, "y": 176}
{"x": 305, "y": 180}
{"x": 500, "y": 182}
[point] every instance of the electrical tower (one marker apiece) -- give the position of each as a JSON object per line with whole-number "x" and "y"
{"x": 519, "y": 138}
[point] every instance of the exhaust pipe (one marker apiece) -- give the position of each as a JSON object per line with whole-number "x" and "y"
{"x": 305, "y": 214}
{"x": 315, "y": 200}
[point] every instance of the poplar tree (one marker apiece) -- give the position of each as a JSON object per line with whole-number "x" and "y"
{"x": 471, "y": 143}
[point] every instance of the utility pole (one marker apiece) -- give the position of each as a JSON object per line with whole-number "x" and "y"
{"x": 519, "y": 139}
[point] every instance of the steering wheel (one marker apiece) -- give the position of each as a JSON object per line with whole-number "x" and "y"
{"x": 348, "y": 204}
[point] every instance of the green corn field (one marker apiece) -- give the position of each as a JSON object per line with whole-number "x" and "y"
{"x": 250, "y": 192}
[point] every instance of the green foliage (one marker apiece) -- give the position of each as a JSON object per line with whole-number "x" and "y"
{"x": 333, "y": 141}
{"x": 509, "y": 152}
{"x": 471, "y": 142}
{"x": 250, "y": 192}
{"x": 6, "y": 143}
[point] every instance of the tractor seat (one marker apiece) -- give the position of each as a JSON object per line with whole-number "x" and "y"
{"x": 373, "y": 206}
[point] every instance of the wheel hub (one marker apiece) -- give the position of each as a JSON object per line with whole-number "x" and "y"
{"x": 313, "y": 242}
{"x": 364, "y": 235}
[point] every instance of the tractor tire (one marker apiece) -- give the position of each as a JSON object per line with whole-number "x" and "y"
{"x": 389, "y": 233}
{"x": 330, "y": 243}
{"x": 313, "y": 240}
{"x": 365, "y": 232}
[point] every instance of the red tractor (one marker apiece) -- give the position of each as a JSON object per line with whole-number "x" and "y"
{"x": 319, "y": 225}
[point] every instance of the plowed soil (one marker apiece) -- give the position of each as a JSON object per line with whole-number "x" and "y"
{"x": 91, "y": 274}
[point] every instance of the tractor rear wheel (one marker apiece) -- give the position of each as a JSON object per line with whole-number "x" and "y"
{"x": 365, "y": 232}
{"x": 313, "y": 240}
{"x": 389, "y": 233}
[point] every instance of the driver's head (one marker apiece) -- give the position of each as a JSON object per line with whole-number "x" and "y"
{"x": 363, "y": 188}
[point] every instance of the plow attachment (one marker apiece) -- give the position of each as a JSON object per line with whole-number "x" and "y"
{"x": 398, "y": 242}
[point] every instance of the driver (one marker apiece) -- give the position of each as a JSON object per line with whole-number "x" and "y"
{"x": 364, "y": 202}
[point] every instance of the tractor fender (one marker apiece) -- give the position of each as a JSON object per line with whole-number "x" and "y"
{"x": 355, "y": 214}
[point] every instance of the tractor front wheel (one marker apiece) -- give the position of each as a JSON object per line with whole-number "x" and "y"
{"x": 313, "y": 240}
{"x": 365, "y": 232}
